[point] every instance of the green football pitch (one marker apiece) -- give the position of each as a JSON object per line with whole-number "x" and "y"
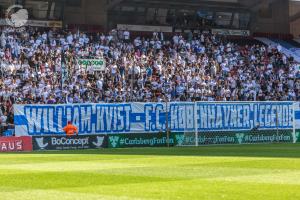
{"x": 250, "y": 172}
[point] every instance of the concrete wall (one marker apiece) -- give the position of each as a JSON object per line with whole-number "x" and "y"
{"x": 295, "y": 25}
{"x": 91, "y": 12}
{"x": 94, "y": 12}
{"x": 276, "y": 22}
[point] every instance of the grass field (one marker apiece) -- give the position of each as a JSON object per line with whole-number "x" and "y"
{"x": 254, "y": 172}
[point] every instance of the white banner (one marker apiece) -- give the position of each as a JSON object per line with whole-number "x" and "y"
{"x": 92, "y": 64}
{"x": 231, "y": 32}
{"x": 144, "y": 28}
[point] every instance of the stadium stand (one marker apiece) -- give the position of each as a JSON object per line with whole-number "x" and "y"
{"x": 186, "y": 67}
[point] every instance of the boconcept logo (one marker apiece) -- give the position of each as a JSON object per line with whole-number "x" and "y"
{"x": 99, "y": 142}
{"x": 179, "y": 139}
{"x": 40, "y": 143}
{"x": 240, "y": 137}
{"x": 114, "y": 140}
{"x": 17, "y": 18}
{"x": 69, "y": 141}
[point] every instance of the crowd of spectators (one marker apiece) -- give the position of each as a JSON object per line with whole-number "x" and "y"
{"x": 184, "y": 67}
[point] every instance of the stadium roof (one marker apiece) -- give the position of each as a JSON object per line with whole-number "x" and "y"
{"x": 232, "y": 4}
{"x": 252, "y": 5}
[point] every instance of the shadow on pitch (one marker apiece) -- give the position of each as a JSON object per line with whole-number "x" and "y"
{"x": 265, "y": 150}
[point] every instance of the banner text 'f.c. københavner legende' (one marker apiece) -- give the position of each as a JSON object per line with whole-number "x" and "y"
{"x": 151, "y": 117}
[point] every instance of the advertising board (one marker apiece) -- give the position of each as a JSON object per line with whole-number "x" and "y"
{"x": 69, "y": 143}
{"x": 14, "y": 144}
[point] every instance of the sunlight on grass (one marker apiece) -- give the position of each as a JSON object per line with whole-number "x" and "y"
{"x": 259, "y": 172}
